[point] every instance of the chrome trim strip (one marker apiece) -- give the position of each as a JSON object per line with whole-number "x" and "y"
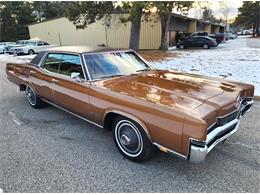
{"x": 86, "y": 66}
{"x": 216, "y": 131}
{"x": 219, "y": 129}
{"x": 224, "y": 137}
{"x": 198, "y": 154}
{"x": 71, "y": 113}
{"x": 164, "y": 149}
{"x": 249, "y": 102}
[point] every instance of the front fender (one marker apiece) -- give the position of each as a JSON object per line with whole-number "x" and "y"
{"x": 128, "y": 115}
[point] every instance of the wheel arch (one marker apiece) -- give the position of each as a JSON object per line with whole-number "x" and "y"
{"x": 22, "y": 87}
{"x": 110, "y": 114}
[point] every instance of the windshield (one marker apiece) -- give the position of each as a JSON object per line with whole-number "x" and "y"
{"x": 114, "y": 64}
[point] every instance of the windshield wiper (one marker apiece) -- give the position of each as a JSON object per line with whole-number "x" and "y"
{"x": 111, "y": 76}
{"x": 142, "y": 70}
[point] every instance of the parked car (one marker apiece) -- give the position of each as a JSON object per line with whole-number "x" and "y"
{"x": 232, "y": 36}
{"x": 182, "y": 114}
{"x": 247, "y": 32}
{"x": 10, "y": 46}
{"x": 31, "y": 47}
{"x": 218, "y": 36}
{"x": 224, "y": 36}
{"x": 21, "y": 42}
{"x": 4, "y": 46}
{"x": 197, "y": 41}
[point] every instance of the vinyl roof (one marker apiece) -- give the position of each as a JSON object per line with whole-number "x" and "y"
{"x": 83, "y": 49}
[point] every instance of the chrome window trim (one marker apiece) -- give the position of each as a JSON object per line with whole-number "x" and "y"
{"x": 41, "y": 65}
{"x": 116, "y": 51}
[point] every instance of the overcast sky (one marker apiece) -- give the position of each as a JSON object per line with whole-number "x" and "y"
{"x": 215, "y": 6}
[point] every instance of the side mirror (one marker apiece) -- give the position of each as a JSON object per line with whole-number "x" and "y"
{"x": 75, "y": 76}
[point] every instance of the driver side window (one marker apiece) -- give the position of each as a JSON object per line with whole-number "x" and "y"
{"x": 64, "y": 64}
{"x": 71, "y": 64}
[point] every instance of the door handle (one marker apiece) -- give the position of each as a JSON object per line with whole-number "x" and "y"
{"x": 32, "y": 72}
{"x": 55, "y": 81}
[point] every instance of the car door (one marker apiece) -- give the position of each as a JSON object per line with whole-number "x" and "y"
{"x": 42, "y": 46}
{"x": 200, "y": 42}
{"x": 38, "y": 47}
{"x": 70, "y": 93}
{"x": 41, "y": 77}
{"x": 192, "y": 42}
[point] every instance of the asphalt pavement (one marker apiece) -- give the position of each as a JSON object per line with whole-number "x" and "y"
{"x": 48, "y": 150}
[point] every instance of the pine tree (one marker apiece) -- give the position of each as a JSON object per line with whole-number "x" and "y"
{"x": 249, "y": 15}
{"x": 14, "y": 18}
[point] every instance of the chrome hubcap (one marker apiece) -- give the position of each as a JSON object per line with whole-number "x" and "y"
{"x": 125, "y": 140}
{"x": 129, "y": 138}
{"x": 30, "y": 95}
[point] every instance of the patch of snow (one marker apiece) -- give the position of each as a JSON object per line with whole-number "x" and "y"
{"x": 235, "y": 60}
{"x": 15, "y": 58}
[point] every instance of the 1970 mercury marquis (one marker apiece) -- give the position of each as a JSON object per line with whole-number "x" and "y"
{"x": 180, "y": 113}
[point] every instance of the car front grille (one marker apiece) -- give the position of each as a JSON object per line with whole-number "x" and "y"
{"x": 221, "y": 134}
{"x": 243, "y": 107}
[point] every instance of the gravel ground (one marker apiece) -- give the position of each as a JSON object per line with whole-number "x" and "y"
{"x": 48, "y": 150}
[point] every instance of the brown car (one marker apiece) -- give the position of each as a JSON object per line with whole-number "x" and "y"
{"x": 180, "y": 113}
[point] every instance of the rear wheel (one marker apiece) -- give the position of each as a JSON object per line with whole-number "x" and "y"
{"x": 131, "y": 140}
{"x": 206, "y": 46}
{"x": 33, "y": 98}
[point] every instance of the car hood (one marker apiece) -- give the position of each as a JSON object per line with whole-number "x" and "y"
{"x": 171, "y": 89}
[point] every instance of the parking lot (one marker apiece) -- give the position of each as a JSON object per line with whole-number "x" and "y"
{"x": 48, "y": 150}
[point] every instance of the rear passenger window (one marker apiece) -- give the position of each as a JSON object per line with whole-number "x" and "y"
{"x": 52, "y": 62}
{"x": 71, "y": 64}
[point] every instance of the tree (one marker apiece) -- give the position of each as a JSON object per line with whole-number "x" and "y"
{"x": 249, "y": 15}
{"x": 15, "y": 16}
{"x": 224, "y": 8}
{"x": 48, "y": 9}
{"x": 164, "y": 10}
{"x": 83, "y": 13}
{"x": 135, "y": 10}
{"x": 207, "y": 15}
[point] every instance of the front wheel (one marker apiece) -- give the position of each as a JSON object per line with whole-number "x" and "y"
{"x": 33, "y": 98}
{"x": 30, "y": 52}
{"x": 182, "y": 46}
{"x": 131, "y": 140}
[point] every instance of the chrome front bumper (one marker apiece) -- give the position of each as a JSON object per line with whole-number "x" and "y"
{"x": 199, "y": 150}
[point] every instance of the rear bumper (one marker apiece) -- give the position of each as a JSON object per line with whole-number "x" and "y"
{"x": 199, "y": 150}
